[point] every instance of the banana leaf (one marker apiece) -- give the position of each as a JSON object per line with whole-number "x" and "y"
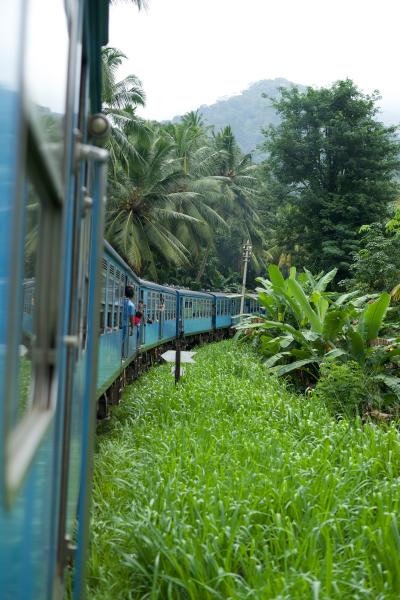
{"x": 298, "y": 364}
{"x": 325, "y": 280}
{"x": 276, "y": 276}
{"x": 372, "y": 317}
{"x": 302, "y": 300}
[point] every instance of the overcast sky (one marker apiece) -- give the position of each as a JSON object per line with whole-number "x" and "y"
{"x": 191, "y": 52}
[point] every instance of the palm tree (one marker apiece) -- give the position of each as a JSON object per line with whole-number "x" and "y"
{"x": 240, "y": 192}
{"x": 145, "y": 204}
{"x": 197, "y": 160}
{"x": 120, "y": 100}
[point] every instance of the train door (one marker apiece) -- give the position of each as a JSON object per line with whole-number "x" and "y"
{"x": 161, "y": 317}
{"x": 214, "y": 312}
{"x": 181, "y": 321}
{"x": 142, "y": 328}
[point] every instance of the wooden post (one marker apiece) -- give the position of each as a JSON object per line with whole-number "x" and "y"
{"x": 177, "y": 360}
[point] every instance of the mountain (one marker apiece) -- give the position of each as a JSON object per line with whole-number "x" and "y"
{"x": 248, "y": 112}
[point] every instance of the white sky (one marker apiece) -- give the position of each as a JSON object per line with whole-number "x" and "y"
{"x": 191, "y": 52}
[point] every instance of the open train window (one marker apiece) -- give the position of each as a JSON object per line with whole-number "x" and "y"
{"x": 34, "y": 302}
{"x": 116, "y": 299}
{"x": 110, "y": 297}
{"x": 121, "y": 299}
{"x": 32, "y": 214}
{"x": 103, "y": 295}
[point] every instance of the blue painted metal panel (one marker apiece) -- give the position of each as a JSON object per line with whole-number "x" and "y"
{"x": 223, "y": 321}
{"x": 197, "y": 325}
{"x": 25, "y": 525}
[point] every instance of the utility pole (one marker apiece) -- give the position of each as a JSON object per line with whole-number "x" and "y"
{"x": 247, "y": 248}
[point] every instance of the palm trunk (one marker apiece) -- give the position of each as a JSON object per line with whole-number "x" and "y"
{"x": 203, "y": 263}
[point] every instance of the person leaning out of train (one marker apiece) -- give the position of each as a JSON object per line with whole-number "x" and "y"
{"x": 129, "y": 311}
{"x": 138, "y": 319}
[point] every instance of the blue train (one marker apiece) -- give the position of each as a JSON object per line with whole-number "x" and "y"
{"x": 169, "y": 314}
{"x": 60, "y": 364}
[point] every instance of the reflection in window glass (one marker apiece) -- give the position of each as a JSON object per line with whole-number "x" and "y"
{"x": 45, "y": 74}
{"x": 28, "y": 292}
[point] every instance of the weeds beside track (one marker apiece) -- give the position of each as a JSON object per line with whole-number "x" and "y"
{"x": 230, "y": 486}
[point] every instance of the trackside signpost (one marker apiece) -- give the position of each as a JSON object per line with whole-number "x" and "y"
{"x": 178, "y": 356}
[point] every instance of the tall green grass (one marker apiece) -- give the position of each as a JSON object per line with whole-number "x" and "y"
{"x": 230, "y": 486}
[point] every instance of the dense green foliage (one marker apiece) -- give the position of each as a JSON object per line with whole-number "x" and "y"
{"x": 183, "y": 197}
{"x": 175, "y": 190}
{"x": 331, "y": 164}
{"x": 343, "y": 388}
{"x": 376, "y": 266}
{"x": 229, "y": 486}
{"x": 303, "y": 326}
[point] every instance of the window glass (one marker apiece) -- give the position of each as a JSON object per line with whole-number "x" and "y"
{"x": 28, "y": 337}
{"x": 110, "y": 296}
{"x": 121, "y": 299}
{"x": 103, "y": 294}
{"x": 117, "y": 298}
{"x": 45, "y": 76}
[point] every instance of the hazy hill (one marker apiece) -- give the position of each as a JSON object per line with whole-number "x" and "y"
{"x": 248, "y": 112}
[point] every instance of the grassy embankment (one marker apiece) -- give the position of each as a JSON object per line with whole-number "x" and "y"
{"x": 229, "y": 486}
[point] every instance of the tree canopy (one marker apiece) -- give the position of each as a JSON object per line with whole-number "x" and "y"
{"x": 332, "y": 162}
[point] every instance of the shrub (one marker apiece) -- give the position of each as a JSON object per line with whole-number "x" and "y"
{"x": 343, "y": 387}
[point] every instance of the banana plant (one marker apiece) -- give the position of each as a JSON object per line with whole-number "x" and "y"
{"x": 379, "y": 362}
{"x": 299, "y": 328}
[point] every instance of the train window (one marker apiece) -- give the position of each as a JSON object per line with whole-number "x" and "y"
{"x": 121, "y": 300}
{"x": 34, "y": 310}
{"x": 149, "y": 304}
{"x": 186, "y": 313}
{"x": 136, "y": 294}
{"x": 29, "y": 318}
{"x": 117, "y": 298}
{"x": 47, "y": 96}
{"x": 110, "y": 297}
{"x": 157, "y": 305}
{"x": 103, "y": 295}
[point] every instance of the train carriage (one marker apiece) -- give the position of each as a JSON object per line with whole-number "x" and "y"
{"x": 113, "y": 347}
{"x": 159, "y": 322}
{"x": 195, "y": 312}
{"x": 63, "y": 351}
{"x": 52, "y": 184}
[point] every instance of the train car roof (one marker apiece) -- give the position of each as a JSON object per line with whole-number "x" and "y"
{"x": 221, "y": 294}
{"x": 157, "y": 286}
{"x": 115, "y": 256}
{"x": 185, "y": 292}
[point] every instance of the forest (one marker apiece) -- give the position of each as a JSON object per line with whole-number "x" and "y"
{"x": 183, "y": 196}
{"x": 321, "y": 212}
